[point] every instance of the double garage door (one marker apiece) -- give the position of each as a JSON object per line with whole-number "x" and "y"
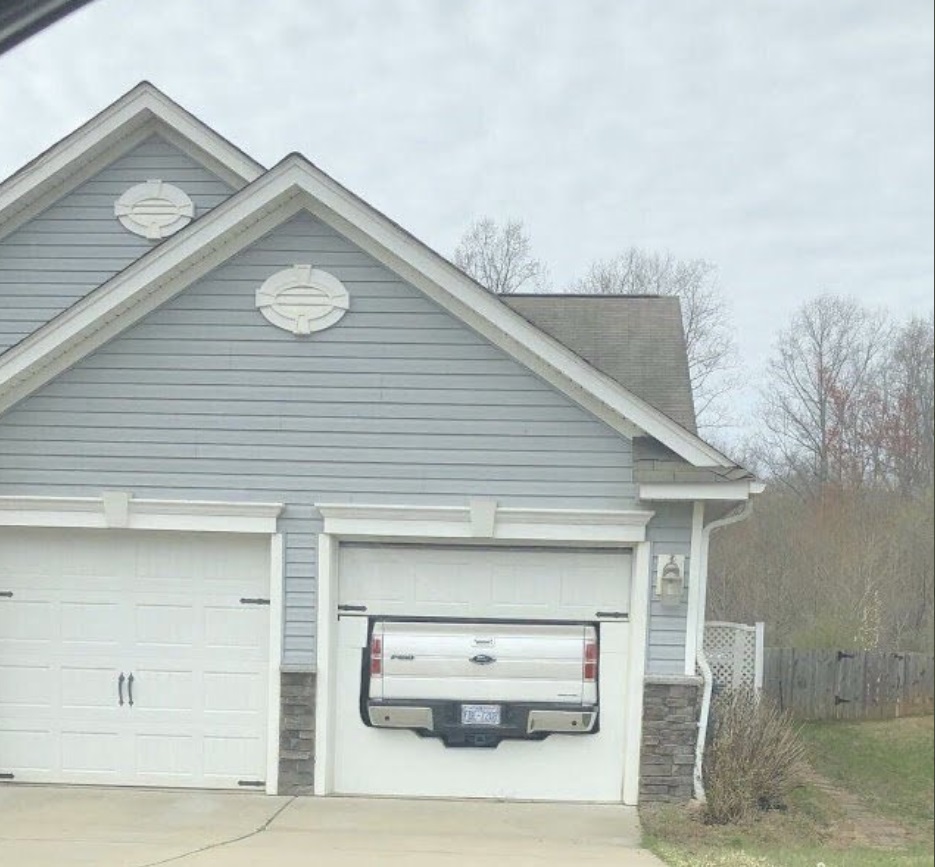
{"x": 128, "y": 657}
{"x": 501, "y": 584}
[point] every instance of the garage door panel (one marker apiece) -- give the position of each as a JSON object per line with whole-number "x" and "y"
{"x": 86, "y": 625}
{"x": 536, "y": 591}
{"x": 25, "y": 685}
{"x": 88, "y": 605}
{"x": 25, "y": 623}
{"x": 233, "y": 756}
{"x": 164, "y": 689}
{"x": 92, "y": 750}
{"x": 89, "y": 687}
{"x": 425, "y": 589}
{"x": 233, "y": 692}
{"x": 164, "y": 756}
{"x": 490, "y": 583}
{"x": 235, "y": 625}
{"x": 363, "y": 576}
{"x": 27, "y": 749}
{"x": 163, "y": 624}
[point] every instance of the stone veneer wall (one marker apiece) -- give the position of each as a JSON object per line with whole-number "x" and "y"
{"x": 297, "y": 733}
{"x": 671, "y": 707}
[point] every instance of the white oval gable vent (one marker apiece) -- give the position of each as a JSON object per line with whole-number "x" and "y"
{"x": 154, "y": 209}
{"x": 302, "y": 299}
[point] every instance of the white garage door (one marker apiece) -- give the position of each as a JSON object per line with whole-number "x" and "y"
{"x": 128, "y": 657}
{"x": 506, "y": 584}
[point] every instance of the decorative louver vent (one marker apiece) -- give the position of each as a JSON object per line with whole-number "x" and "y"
{"x": 302, "y": 299}
{"x": 154, "y": 209}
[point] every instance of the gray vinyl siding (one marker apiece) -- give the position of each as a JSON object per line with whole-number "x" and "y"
{"x": 56, "y": 258}
{"x": 670, "y": 533}
{"x": 397, "y": 403}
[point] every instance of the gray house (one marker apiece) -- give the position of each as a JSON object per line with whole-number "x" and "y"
{"x": 243, "y": 414}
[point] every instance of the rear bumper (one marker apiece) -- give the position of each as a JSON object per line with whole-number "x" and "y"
{"x": 518, "y": 721}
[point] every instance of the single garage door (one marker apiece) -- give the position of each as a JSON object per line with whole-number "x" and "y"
{"x": 127, "y": 657}
{"x": 501, "y": 584}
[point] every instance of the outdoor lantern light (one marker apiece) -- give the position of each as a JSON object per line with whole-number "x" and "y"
{"x": 670, "y": 579}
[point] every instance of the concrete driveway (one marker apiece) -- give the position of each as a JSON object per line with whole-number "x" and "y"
{"x": 44, "y": 826}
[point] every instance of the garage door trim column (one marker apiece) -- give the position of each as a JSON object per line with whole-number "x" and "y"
{"x": 472, "y": 522}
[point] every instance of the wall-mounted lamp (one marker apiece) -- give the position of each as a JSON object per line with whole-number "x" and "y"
{"x": 670, "y": 579}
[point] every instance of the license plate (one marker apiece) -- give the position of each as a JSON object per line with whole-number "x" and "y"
{"x": 480, "y": 714}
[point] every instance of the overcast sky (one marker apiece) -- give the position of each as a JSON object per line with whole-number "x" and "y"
{"x": 790, "y": 143}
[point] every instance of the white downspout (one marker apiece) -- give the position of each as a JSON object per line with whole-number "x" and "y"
{"x": 733, "y": 518}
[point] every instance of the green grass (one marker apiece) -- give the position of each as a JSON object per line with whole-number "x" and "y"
{"x": 889, "y": 765}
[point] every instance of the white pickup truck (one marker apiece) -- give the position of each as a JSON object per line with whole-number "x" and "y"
{"x": 472, "y": 684}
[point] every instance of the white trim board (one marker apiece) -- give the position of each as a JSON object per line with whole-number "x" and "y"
{"x": 639, "y": 635}
{"x": 483, "y": 520}
{"x": 741, "y": 489}
{"x": 120, "y": 510}
{"x": 138, "y": 114}
{"x": 277, "y": 583}
{"x": 293, "y": 185}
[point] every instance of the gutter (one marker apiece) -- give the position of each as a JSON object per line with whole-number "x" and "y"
{"x": 733, "y": 518}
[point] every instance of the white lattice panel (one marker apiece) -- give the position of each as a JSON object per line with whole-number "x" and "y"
{"x": 735, "y": 654}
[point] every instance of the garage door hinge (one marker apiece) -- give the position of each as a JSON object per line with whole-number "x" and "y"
{"x": 246, "y": 600}
{"x": 6, "y": 594}
{"x": 6, "y": 776}
{"x": 252, "y": 784}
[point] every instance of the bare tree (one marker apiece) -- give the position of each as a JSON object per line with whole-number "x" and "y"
{"x": 822, "y": 398}
{"x": 851, "y": 569}
{"x": 705, "y": 317}
{"x": 499, "y": 257}
{"x": 907, "y": 435}
{"x": 843, "y": 554}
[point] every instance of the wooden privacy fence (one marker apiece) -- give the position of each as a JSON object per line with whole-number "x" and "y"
{"x": 848, "y": 684}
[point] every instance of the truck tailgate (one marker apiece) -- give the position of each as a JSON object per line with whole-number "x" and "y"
{"x": 504, "y": 662}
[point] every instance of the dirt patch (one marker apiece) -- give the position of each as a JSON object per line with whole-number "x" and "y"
{"x": 856, "y": 824}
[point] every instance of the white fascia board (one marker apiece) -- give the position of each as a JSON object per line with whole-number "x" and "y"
{"x": 672, "y": 491}
{"x": 555, "y": 526}
{"x": 142, "y": 514}
{"x": 298, "y": 184}
{"x": 138, "y": 114}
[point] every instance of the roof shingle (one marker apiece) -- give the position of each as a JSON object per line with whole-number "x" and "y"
{"x": 635, "y": 339}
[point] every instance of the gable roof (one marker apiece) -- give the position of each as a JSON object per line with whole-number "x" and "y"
{"x": 272, "y": 197}
{"x": 137, "y": 115}
{"x": 634, "y": 339}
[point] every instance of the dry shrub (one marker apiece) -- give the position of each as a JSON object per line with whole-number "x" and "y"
{"x": 752, "y": 758}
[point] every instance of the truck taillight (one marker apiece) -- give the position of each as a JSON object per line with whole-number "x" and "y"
{"x": 376, "y": 656}
{"x": 590, "y": 661}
